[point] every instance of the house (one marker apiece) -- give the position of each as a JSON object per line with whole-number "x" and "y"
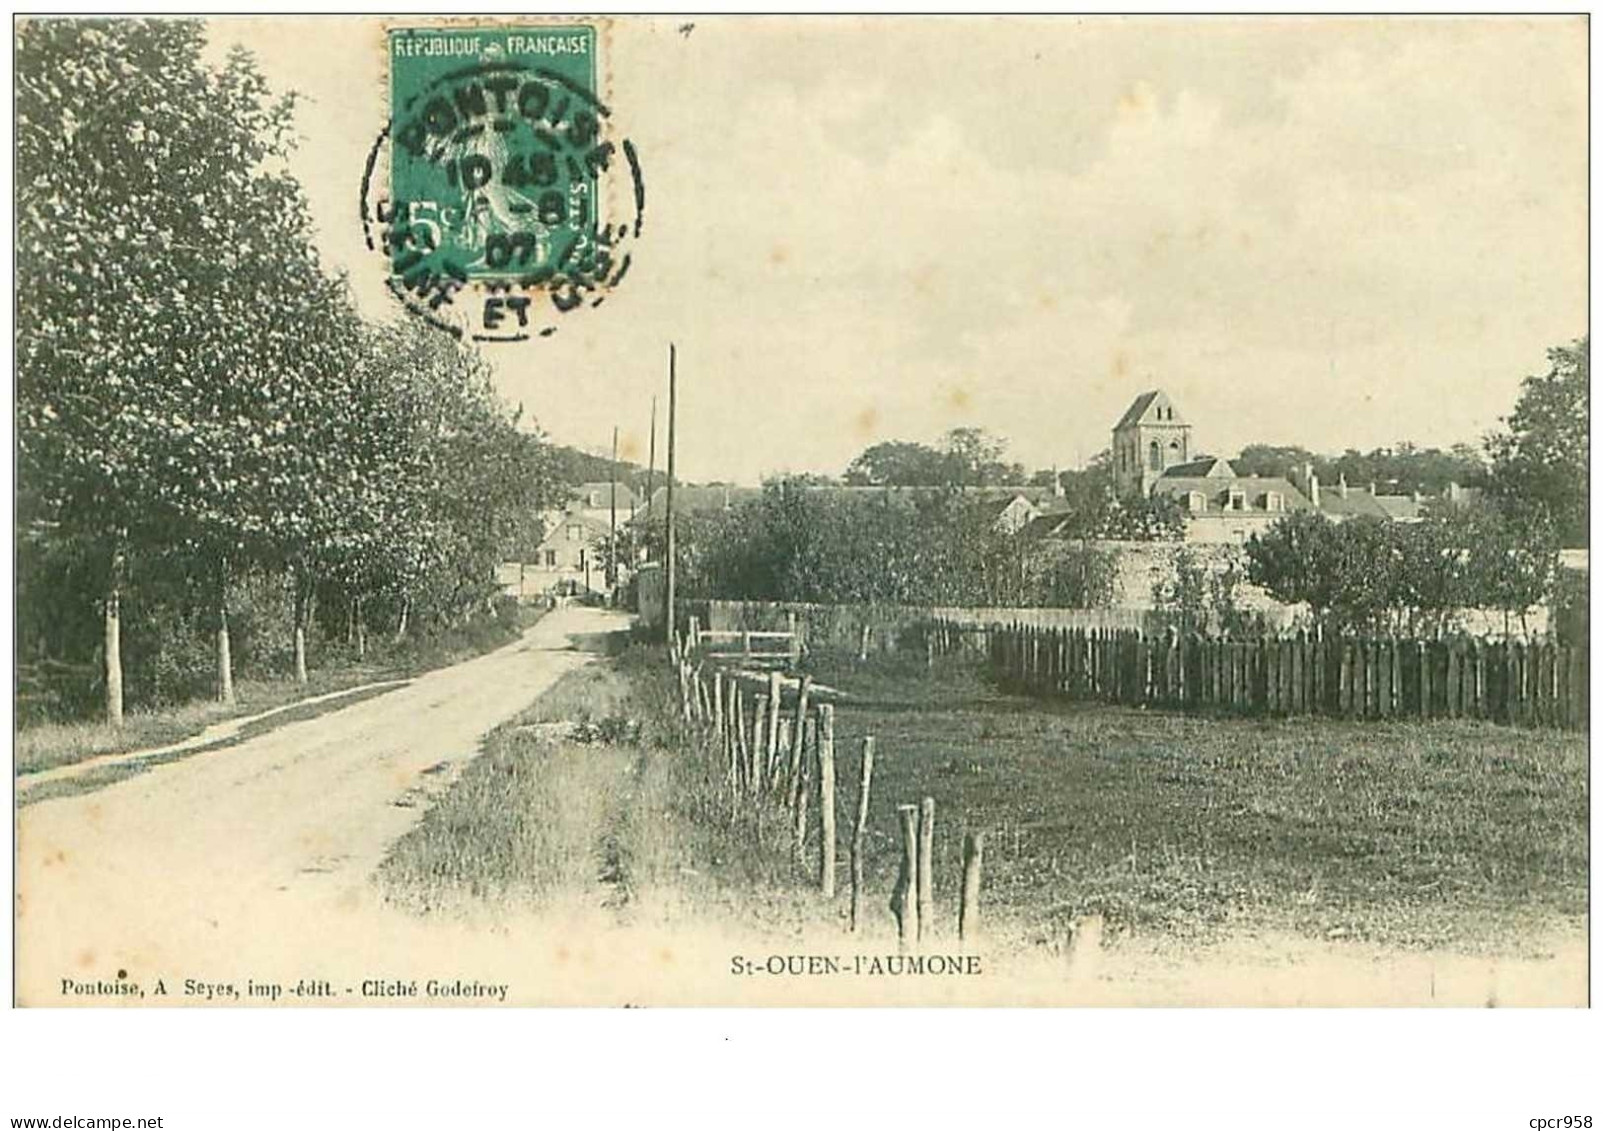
{"x": 571, "y": 558}
{"x": 594, "y": 500}
{"x": 597, "y": 497}
{"x": 1151, "y": 457}
{"x": 1344, "y": 502}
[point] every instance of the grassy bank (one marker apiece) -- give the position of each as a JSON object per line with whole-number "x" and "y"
{"x": 591, "y": 794}
{"x": 1170, "y": 827}
{"x": 47, "y": 745}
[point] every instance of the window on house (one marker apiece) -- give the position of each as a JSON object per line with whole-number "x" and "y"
{"x": 575, "y": 533}
{"x": 1196, "y": 501}
{"x": 1274, "y": 501}
{"x": 1155, "y": 456}
{"x": 550, "y": 558}
{"x": 1238, "y": 501}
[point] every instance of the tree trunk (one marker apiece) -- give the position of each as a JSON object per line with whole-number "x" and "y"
{"x": 114, "y": 641}
{"x": 361, "y": 630}
{"x": 406, "y": 610}
{"x": 301, "y": 605}
{"x": 225, "y": 662}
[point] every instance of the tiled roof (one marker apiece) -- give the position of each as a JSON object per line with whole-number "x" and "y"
{"x": 1142, "y": 405}
{"x": 1354, "y": 504}
{"x": 1202, "y": 466}
{"x": 1138, "y": 409}
{"x": 1216, "y": 492}
{"x": 558, "y": 529}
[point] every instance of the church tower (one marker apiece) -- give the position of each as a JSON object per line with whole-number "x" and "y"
{"x": 1149, "y": 437}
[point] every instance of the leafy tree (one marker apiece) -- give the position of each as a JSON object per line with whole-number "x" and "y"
{"x": 976, "y": 459}
{"x": 1199, "y": 597}
{"x": 966, "y": 457}
{"x": 1511, "y": 560}
{"x": 898, "y": 463}
{"x": 1347, "y": 574}
{"x": 142, "y": 298}
{"x": 1540, "y": 458}
{"x": 1075, "y": 575}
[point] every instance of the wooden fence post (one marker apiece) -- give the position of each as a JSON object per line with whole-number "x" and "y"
{"x": 776, "y": 704}
{"x": 826, "y": 800}
{"x": 926, "y": 866}
{"x": 799, "y": 815}
{"x": 968, "y": 914}
{"x": 1424, "y": 678}
{"x": 718, "y": 705}
{"x": 793, "y": 777}
{"x": 771, "y": 771}
{"x": 860, "y": 829}
{"x": 737, "y": 746}
{"x": 759, "y": 732}
{"x": 862, "y": 645}
{"x": 904, "y": 902}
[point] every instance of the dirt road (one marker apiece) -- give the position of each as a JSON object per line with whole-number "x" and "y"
{"x": 253, "y": 861}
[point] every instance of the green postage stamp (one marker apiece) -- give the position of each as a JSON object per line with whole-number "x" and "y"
{"x": 501, "y": 211}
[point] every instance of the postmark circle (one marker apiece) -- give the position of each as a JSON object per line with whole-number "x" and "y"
{"x": 499, "y": 194}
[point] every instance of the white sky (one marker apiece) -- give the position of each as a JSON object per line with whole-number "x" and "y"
{"x": 1330, "y": 232}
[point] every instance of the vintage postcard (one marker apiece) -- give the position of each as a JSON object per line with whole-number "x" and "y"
{"x": 781, "y": 511}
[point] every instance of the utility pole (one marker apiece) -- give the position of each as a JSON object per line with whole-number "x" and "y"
{"x": 612, "y": 520}
{"x": 668, "y": 554}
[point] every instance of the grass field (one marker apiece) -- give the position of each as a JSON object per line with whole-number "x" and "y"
{"x": 1179, "y": 828}
{"x": 1407, "y": 834}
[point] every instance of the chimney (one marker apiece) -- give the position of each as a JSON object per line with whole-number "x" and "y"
{"x": 1341, "y": 485}
{"x": 1057, "y": 483}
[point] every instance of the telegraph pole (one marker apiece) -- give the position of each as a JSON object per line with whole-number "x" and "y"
{"x": 668, "y": 554}
{"x": 612, "y": 520}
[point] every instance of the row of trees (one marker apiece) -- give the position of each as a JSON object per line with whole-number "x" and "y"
{"x": 1369, "y": 575}
{"x": 796, "y": 544}
{"x": 201, "y": 412}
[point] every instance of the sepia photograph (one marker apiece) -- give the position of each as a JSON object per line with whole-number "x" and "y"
{"x": 791, "y": 511}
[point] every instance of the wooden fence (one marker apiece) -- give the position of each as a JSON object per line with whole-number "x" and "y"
{"x": 1512, "y": 682}
{"x": 769, "y": 744}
